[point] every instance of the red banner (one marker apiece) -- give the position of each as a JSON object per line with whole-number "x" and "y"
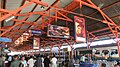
{"x": 80, "y": 32}
{"x": 36, "y": 43}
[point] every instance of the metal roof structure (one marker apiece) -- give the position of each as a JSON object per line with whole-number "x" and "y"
{"x": 102, "y": 17}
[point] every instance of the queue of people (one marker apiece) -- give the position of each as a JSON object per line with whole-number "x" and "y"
{"x": 28, "y": 61}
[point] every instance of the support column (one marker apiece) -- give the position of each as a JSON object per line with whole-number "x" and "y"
{"x": 118, "y": 46}
{"x": 70, "y": 44}
{"x": 51, "y": 50}
{"x": 44, "y": 50}
{"x": 71, "y": 52}
{"x": 59, "y": 52}
{"x": 0, "y": 24}
{"x": 59, "y": 49}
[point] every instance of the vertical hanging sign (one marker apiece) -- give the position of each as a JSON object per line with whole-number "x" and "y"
{"x": 36, "y": 43}
{"x": 80, "y": 31}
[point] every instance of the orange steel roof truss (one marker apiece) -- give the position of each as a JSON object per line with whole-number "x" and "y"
{"x": 58, "y": 13}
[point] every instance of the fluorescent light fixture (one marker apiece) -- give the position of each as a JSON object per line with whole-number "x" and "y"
{"x": 10, "y": 18}
{"x": 100, "y": 5}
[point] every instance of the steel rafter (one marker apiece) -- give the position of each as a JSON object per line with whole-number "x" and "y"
{"x": 23, "y": 2}
{"x": 16, "y": 11}
{"x": 45, "y": 14}
{"x": 99, "y": 22}
{"x": 36, "y": 20}
{"x": 105, "y": 7}
{"x": 106, "y": 18}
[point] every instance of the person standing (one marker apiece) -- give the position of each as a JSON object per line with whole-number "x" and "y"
{"x": 54, "y": 61}
{"x": 42, "y": 60}
{"x": 82, "y": 59}
{"x": 38, "y": 62}
{"x": 47, "y": 61}
{"x": 23, "y": 61}
{"x": 1, "y": 61}
{"x": 31, "y": 62}
{"x": 9, "y": 60}
{"x": 16, "y": 62}
{"x": 71, "y": 63}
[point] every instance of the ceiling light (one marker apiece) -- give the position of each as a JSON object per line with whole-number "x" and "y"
{"x": 10, "y": 18}
{"x": 100, "y": 5}
{"x": 42, "y": 7}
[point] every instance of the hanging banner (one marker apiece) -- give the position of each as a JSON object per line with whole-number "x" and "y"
{"x": 58, "y": 31}
{"x": 36, "y": 43}
{"x": 3, "y": 39}
{"x": 35, "y": 32}
{"x": 2, "y": 45}
{"x": 80, "y": 32}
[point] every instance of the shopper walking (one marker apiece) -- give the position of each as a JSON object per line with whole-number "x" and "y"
{"x": 42, "y": 60}
{"x": 31, "y": 62}
{"x": 54, "y": 61}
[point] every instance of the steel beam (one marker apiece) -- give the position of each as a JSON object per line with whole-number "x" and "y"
{"x": 5, "y": 11}
{"x": 39, "y": 2}
{"x": 2, "y": 29}
{"x": 9, "y": 29}
{"x": 23, "y": 2}
{"x": 105, "y": 7}
{"x": 100, "y": 21}
{"x": 14, "y": 11}
{"x": 44, "y": 14}
{"x": 92, "y": 5}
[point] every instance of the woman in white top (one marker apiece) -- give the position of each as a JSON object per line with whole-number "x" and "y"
{"x": 54, "y": 61}
{"x": 31, "y": 62}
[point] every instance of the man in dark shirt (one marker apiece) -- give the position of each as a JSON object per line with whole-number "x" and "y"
{"x": 38, "y": 62}
{"x": 46, "y": 61}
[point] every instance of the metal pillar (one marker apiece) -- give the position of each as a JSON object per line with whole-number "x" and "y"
{"x": 59, "y": 49}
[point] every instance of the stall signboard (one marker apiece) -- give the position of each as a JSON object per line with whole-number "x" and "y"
{"x": 2, "y": 45}
{"x": 80, "y": 31}
{"x": 85, "y": 52}
{"x": 38, "y": 32}
{"x": 65, "y": 49}
{"x": 58, "y": 31}
{"x": 3, "y": 39}
{"x": 36, "y": 43}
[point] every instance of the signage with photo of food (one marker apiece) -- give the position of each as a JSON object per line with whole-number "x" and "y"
{"x": 58, "y": 31}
